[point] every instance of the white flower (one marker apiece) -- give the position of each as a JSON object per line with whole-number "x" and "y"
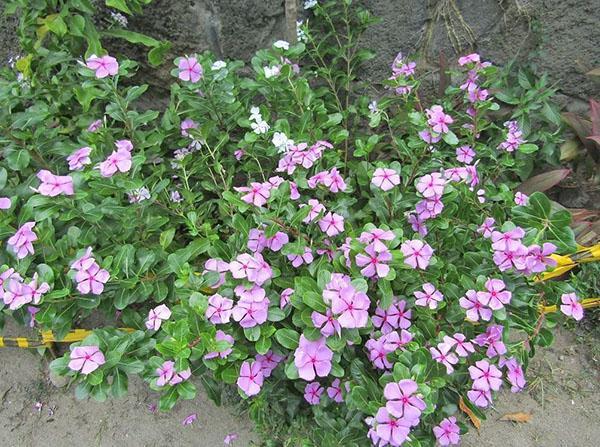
{"x": 119, "y": 18}
{"x": 300, "y": 32}
{"x": 272, "y": 71}
{"x": 309, "y": 4}
{"x": 282, "y": 44}
{"x": 260, "y": 127}
{"x": 373, "y": 107}
{"x": 281, "y": 142}
{"x": 138, "y": 195}
{"x": 218, "y": 65}
{"x": 176, "y": 196}
{"x": 255, "y": 114}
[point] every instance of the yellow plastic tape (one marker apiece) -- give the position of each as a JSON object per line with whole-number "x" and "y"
{"x": 566, "y": 263}
{"x": 47, "y": 338}
{"x": 587, "y": 303}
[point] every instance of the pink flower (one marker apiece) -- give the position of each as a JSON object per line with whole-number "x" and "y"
{"x": 238, "y": 154}
{"x": 284, "y": 298}
{"x": 91, "y": 278}
{"x": 430, "y": 297}
{"x": 335, "y": 391}
{"x": 124, "y": 145}
{"x": 32, "y": 311}
{"x": 521, "y": 199}
{"x": 269, "y": 362}
{"x": 117, "y": 161}
{"x": 219, "y": 266}
{"x": 222, "y": 337}
{"x": 258, "y": 270}
{"x": 312, "y": 393}
{"x": 438, "y": 120}
{"x": 375, "y": 264}
{"x": 219, "y": 309}
{"x": 431, "y": 185}
{"x": 385, "y": 179}
{"x": 394, "y": 431}
{"x": 487, "y": 228}
{"x": 305, "y": 258}
{"x": 312, "y": 358}
{"x": 251, "y": 378}
{"x": 189, "y": 419}
{"x": 465, "y": 154}
{"x": 21, "y": 242}
{"x": 85, "y": 359}
{"x": 332, "y": 224}
{"x": 378, "y": 351}
{"x": 257, "y": 193}
{"x": 316, "y": 208}
{"x": 571, "y": 306}
{"x": 376, "y": 237}
{"x": 458, "y": 341}
{"x": 230, "y": 438}
{"x": 6, "y": 276}
{"x": 251, "y": 311}
{"x": 189, "y": 69}
{"x": 480, "y": 397}
{"x": 428, "y": 137}
{"x": 394, "y": 341}
{"x": 538, "y": 259}
{"x": 515, "y": 374}
{"x": 78, "y": 159}
{"x": 392, "y": 318}
{"x": 5, "y": 203}
{"x": 294, "y": 193}
{"x": 95, "y": 126}
{"x": 514, "y": 257}
{"x": 17, "y": 294}
{"x": 78, "y": 263}
{"x": 448, "y": 432}
{"x": 416, "y": 253}
{"x": 156, "y": 316}
{"x": 240, "y": 266}
{"x": 334, "y": 287}
{"x": 418, "y": 224}
{"x": 475, "y": 308}
{"x": 443, "y": 355}
{"x": 334, "y": 181}
{"x": 180, "y": 376}
{"x": 496, "y": 296}
{"x": 468, "y": 59}
{"x": 103, "y": 66}
{"x": 326, "y": 323}
{"x": 54, "y": 185}
{"x": 352, "y": 307}
{"x": 277, "y": 241}
{"x": 485, "y": 376}
{"x": 186, "y": 125}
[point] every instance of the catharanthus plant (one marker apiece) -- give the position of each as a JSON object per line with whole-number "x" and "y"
{"x": 352, "y": 258}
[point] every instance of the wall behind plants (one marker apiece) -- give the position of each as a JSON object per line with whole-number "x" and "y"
{"x": 558, "y": 36}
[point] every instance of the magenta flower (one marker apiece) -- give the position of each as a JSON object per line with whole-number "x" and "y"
{"x": 448, "y": 432}
{"x": 460, "y": 344}
{"x": 393, "y": 431}
{"x": 156, "y": 316}
{"x": 514, "y": 374}
{"x": 312, "y": 393}
{"x": 487, "y": 228}
{"x": 269, "y": 362}
{"x": 378, "y": 352}
{"x": 416, "y": 253}
{"x": 221, "y": 336}
{"x": 431, "y": 185}
{"x": 305, "y": 258}
{"x": 21, "y": 242}
{"x": 189, "y": 419}
{"x": 251, "y": 311}
{"x": 190, "y": 69}
{"x": 186, "y": 125}
{"x": 332, "y": 224}
{"x": 571, "y": 306}
{"x": 485, "y": 376}
{"x": 479, "y": 397}
{"x": 78, "y": 159}
{"x": 312, "y": 358}
{"x": 117, "y": 161}
{"x": 251, "y": 378}
{"x": 352, "y": 307}
{"x": 465, "y": 154}
{"x": 257, "y": 193}
{"x": 91, "y": 278}
{"x": 85, "y": 359}
{"x": 285, "y": 297}
{"x": 438, "y": 120}
{"x": 374, "y": 263}
{"x": 475, "y": 308}
{"x": 335, "y": 391}
{"x": 443, "y": 355}
{"x": 430, "y": 297}
{"x": 326, "y": 323}
{"x": 385, "y": 179}
{"x": 496, "y": 296}
{"x": 538, "y": 259}
{"x": 219, "y": 309}
{"x": 103, "y": 66}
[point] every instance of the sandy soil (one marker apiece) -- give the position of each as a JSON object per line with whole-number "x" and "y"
{"x": 564, "y": 400}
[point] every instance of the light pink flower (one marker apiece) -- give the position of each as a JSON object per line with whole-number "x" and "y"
{"x": 416, "y": 253}
{"x": 521, "y": 199}
{"x": 284, "y": 298}
{"x": 469, "y": 59}
{"x": 250, "y": 312}
{"x": 37, "y": 291}
{"x": 117, "y": 161}
{"x": 219, "y": 309}
{"x": 514, "y": 374}
{"x": 240, "y": 266}
{"x": 443, "y": 355}
{"x": 156, "y": 316}
{"x": 16, "y": 293}
{"x": 180, "y": 376}
{"x": 374, "y": 263}
{"x": 257, "y": 193}
{"x": 238, "y": 154}
{"x": 391, "y": 430}
{"x": 190, "y": 69}
{"x": 475, "y": 308}
{"x": 480, "y": 397}
{"x": 485, "y": 376}
{"x": 430, "y": 297}
{"x": 460, "y": 344}
{"x": 538, "y": 258}
{"x": 305, "y": 258}
{"x": 21, "y": 242}
{"x": 95, "y": 126}
{"x": 269, "y": 362}
{"x": 496, "y": 295}
{"x": 312, "y": 358}
{"x": 91, "y": 278}
{"x": 85, "y": 359}
{"x": 186, "y": 125}
{"x": 315, "y": 209}
{"x": 438, "y": 120}
{"x": 376, "y": 237}
{"x": 294, "y": 193}
{"x": 448, "y": 432}
{"x": 313, "y": 392}
{"x": 230, "y": 438}
{"x": 103, "y": 66}
{"x": 403, "y": 400}
{"x": 251, "y": 378}
{"x": 332, "y": 224}
{"x": 219, "y": 266}
{"x": 334, "y": 181}
{"x": 5, "y": 203}
{"x": 189, "y": 419}
{"x": 385, "y": 179}
{"x": 54, "y": 185}
{"x": 465, "y": 154}
{"x": 378, "y": 351}
{"x": 394, "y": 340}
{"x": 78, "y": 159}
{"x": 571, "y": 306}
{"x": 352, "y": 307}
{"x": 487, "y": 228}
{"x": 431, "y": 185}
{"x": 326, "y": 323}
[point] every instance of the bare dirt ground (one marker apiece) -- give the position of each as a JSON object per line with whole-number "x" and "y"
{"x": 563, "y": 399}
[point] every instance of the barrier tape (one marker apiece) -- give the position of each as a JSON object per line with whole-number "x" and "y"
{"x": 47, "y": 338}
{"x": 568, "y": 262}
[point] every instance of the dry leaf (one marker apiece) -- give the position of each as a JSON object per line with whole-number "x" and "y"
{"x": 474, "y": 419}
{"x": 517, "y": 417}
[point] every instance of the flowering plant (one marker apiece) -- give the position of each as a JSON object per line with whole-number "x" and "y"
{"x": 282, "y": 232}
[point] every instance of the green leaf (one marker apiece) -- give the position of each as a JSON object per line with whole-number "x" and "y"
{"x": 528, "y": 148}
{"x": 186, "y": 390}
{"x": 157, "y": 55}
{"x": 450, "y": 138}
{"x": 288, "y": 338}
{"x": 166, "y": 237}
{"x": 121, "y": 5}
{"x": 168, "y": 400}
{"x": 263, "y": 345}
{"x": 133, "y": 37}
{"x": 119, "y": 384}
